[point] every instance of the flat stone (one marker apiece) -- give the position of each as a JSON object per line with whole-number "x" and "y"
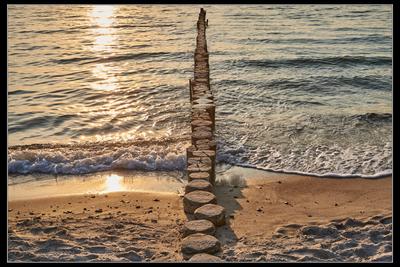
{"x": 199, "y": 243}
{"x": 198, "y": 226}
{"x": 198, "y": 184}
{"x": 196, "y": 199}
{"x": 204, "y": 257}
{"x": 199, "y": 175}
{"x": 211, "y": 212}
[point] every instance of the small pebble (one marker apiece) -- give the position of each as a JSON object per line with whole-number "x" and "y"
{"x": 279, "y": 182}
{"x": 98, "y": 210}
{"x": 156, "y": 200}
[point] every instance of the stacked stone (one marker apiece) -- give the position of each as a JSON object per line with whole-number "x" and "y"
{"x": 200, "y": 203}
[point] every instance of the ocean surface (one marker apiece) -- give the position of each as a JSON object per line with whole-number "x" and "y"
{"x": 298, "y": 88}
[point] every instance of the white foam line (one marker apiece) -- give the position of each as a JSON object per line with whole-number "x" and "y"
{"x": 326, "y": 175}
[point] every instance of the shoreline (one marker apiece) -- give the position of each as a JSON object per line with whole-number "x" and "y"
{"x": 172, "y": 181}
{"x": 38, "y": 186}
{"x": 266, "y": 217}
{"x": 328, "y": 175}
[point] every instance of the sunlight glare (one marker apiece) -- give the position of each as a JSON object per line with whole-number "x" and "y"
{"x": 114, "y": 183}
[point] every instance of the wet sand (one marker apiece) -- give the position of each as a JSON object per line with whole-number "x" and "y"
{"x": 270, "y": 217}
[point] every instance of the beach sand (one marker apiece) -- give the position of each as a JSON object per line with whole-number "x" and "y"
{"x": 122, "y": 226}
{"x": 270, "y": 217}
{"x": 281, "y": 217}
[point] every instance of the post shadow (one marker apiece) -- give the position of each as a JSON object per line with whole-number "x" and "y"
{"x": 228, "y": 190}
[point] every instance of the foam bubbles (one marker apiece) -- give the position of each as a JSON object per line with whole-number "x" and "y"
{"x": 78, "y": 160}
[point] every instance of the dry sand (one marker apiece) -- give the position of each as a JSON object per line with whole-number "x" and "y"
{"x": 131, "y": 226}
{"x": 271, "y": 217}
{"x": 285, "y": 217}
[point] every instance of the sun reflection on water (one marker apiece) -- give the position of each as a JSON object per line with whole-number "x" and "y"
{"x": 114, "y": 183}
{"x": 104, "y": 42}
{"x": 103, "y": 14}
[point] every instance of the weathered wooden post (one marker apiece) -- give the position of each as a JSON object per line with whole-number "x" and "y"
{"x": 199, "y": 201}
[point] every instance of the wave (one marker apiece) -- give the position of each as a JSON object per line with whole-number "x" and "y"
{"x": 90, "y": 60}
{"x": 352, "y": 145}
{"x": 342, "y": 61}
{"x": 333, "y": 84}
{"x": 169, "y": 154}
{"x": 164, "y": 155}
{"x": 374, "y": 117}
{"x": 373, "y": 38}
{"x": 21, "y": 92}
{"x": 342, "y": 165}
{"x": 326, "y": 175}
{"x": 124, "y": 26}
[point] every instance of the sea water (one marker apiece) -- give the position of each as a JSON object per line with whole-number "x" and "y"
{"x": 298, "y": 88}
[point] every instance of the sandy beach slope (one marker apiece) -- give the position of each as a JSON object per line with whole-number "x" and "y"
{"x": 281, "y": 217}
{"x": 270, "y": 217}
{"x": 122, "y": 226}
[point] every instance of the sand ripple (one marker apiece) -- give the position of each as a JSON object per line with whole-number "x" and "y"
{"x": 342, "y": 240}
